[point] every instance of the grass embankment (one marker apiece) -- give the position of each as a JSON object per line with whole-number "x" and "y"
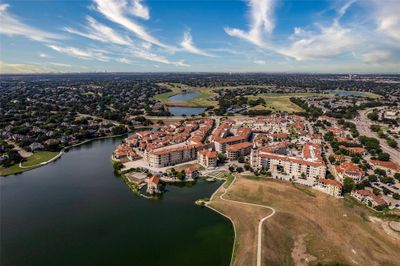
{"x": 306, "y": 229}
{"x": 31, "y": 162}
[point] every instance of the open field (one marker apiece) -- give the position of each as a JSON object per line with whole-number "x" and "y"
{"x": 281, "y": 102}
{"x": 31, "y": 162}
{"x": 307, "y": 228}
{"x": 274, "y": 101}
{"x": 245, "y": 219}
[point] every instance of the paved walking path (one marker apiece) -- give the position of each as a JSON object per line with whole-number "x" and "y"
{"x": 259, "y": 236}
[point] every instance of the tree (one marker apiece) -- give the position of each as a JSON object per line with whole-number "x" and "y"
{"x": 391, "y": 142}
{"x": 397, "y": 176}
{"x": 247, "y": 167}
{"x": 383, "y": 157}
{"x": 332, "y": 159}
{"x": 117, "y": 166}
{"x": 221, "y": 158}
{"x": 396, "y": 196}
{"x": 380, "y": 172}
{"x": 348, "y": 185}
{"x": 241, "y": 159}
{"x": 231, "y": 168}
{"x": 239, "y": 169}
{"x": 372, "y": 178}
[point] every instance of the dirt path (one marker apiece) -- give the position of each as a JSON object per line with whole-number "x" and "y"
{"x": 21, "y": 151}
{"x": 221, "y": 197}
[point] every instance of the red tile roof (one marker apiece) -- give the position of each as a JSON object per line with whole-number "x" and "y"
{"x": 239, "y": 146}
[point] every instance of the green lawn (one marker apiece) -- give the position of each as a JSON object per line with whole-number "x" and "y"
{"x": 31, "y": 162}
{"x": 281, "y": 102}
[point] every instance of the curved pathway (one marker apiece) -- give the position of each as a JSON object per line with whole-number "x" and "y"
{"x": 42, "y": 163}
{"x": 259, "y": 235}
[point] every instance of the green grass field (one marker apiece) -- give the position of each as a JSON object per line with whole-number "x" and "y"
{"x": 31, "y": 162}
{"x": 281, "y": 102}
{"x": 275, "y": 102}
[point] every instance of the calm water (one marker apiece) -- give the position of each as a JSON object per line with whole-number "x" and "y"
{"x": 183, "y": 97}
{"x": 77, "y": 212}
{"x": 180, "y": 110}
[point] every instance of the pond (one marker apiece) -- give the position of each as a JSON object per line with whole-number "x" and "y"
{"x": 183, "y": 97}
{"x": 184, "y": 110}
{"x": 75, "y": 211}
{"x": 188, "y": 111}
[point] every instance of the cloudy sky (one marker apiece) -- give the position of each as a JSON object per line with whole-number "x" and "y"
{"x": 200, "y": 35}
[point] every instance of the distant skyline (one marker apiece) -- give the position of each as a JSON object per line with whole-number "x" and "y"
{"x": 320, "y": 36}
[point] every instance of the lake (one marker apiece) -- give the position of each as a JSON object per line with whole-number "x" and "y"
{"x": 75, "y": 211}
{"x": 346, "y": 93}
{"x": 183, "y": 110}
{"x": 183, "y": 97}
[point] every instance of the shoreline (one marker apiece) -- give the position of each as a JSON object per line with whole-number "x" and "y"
{"x": 62, "y": 151}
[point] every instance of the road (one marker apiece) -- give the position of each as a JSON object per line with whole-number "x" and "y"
{"x": 259, "y": 235}
{"x": 363, "y": 126}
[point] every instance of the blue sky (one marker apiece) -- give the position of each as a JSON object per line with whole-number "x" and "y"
{"x": 338, "y": 36}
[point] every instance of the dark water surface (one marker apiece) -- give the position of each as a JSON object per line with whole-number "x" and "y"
{"x": 182, "y": 110}
{"x": 188, "y": 111}
{"x": 183, "y": 97}
{"x": 77, "y": 212}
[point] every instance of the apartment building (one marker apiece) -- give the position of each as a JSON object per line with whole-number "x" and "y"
{"x": 173, "y": 155}
{"x": 305, "y": 169}
{"x": 221, "y": 143}
{"x": 329, "y": 186}
{"x": 368, "y": 198}
{"x": 233, "y": 152}
{"x": 207, "y": 159}
{"x": 350, "y": 170}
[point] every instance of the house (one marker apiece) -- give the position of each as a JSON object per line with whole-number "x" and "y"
{"x": 153, "y": 185}
{"x": 329, "y": 186}
{"x": 386, "y": 165}
{"x": 207, "y": 158}
{"x": 123, "y": 151}
{"x": 191, "y": 174}
{"x": 350, "y": 170}
{"x": 36, "y": 146}
{"x": 368, "y": 198}
{"x": 354, "y": 150}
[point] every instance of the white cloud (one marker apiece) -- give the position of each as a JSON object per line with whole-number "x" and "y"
{"x": 259, "y": 62}
{"x": 118, "y": 11}
{"x": 148, "y": 55}
{"x": 11, "y": 25}
{"x": 140, "y": 10}
{"x": 124, "y": 60}
{"x": 60, "y": 64}
{"x": 99, "y": 32}
{"x": 44, "y": 55}
{"x": 261, "y": 22}
{"x": 382, "y": 57}
{"x": 89, "y": 54}
{"x": 7, "y": 68}
{"x": 327, "y": 42}
{"x": 188, "y": 45}
{"x": 388, "y": 17}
